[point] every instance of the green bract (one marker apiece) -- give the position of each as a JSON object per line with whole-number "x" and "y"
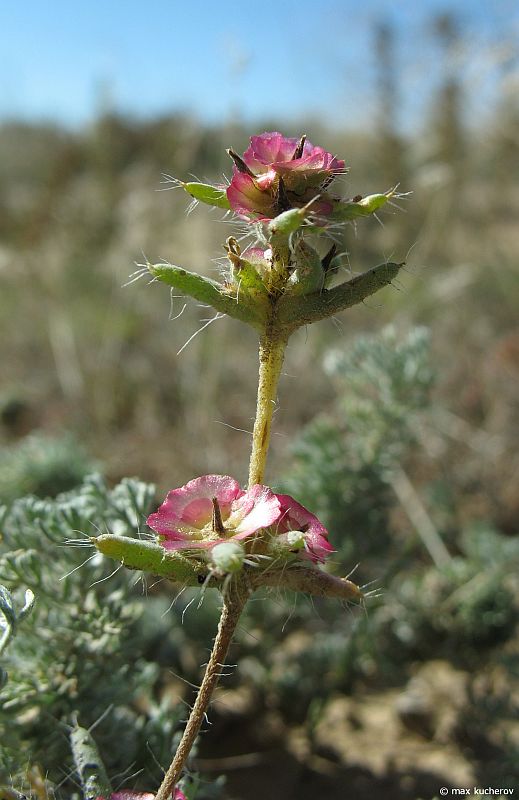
{"x": 343, "y": 212}
{"x": 288, "y": 310}
{"x": 205, "y": 193}
{"x": 151, "y": 557}
{"x": 288, "y": 222}
{"x": 308, "y": 275}
{"x": 241, "y": 306}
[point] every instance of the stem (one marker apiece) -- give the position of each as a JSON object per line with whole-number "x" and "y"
{"x": 271, "y": 354}
{"x": 234, "y": 601}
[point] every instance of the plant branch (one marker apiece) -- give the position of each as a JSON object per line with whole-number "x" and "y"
{"x": 234, "y": 601}
{"x": 311, "y": 580}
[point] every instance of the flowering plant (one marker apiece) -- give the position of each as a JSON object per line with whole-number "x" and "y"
{"x": 212, "y": 531}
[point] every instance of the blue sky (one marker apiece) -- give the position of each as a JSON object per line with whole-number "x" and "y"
{"x": 62, "y": 59}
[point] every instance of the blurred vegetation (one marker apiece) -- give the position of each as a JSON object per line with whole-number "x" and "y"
{"x": 404, "y": 440}
{"x": 43, "y": 466}
{"x": 84, "y": 651}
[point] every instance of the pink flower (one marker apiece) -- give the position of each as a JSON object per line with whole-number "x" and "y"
{"x": 295, "y": 517}
{"x": 244, "y": 196}
{"x": 306, "y": 170}
{"x": 213, "y": 509}
{"x": 272, "y": 153}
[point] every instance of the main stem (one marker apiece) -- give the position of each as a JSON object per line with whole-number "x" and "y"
{"x": 233, "y": 603}
{"x": 271, "y": 353}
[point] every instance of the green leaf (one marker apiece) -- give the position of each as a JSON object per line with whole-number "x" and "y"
{"x": 151, "y": 557}
{"x": 293, "y": 312}
{"x": 240, "y": 305}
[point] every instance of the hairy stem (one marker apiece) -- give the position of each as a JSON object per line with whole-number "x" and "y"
{"x": 233, "y": 603}
{"x": 271, "y": 354}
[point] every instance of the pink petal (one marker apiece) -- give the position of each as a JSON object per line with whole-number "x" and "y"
{"x": 318, "y": 160}
{"x": 245, "y": 197}
{"x": 276, "y": 151}
{"x": 315, "y": 160}
{"x": 187, "y": 542}
{"x": 296, "y": 517}
{"x": 257, "y": 508}
{"x": 256, "y": 255}
{"x": 191, "y": 505}
{"x": 267, "y": 148}
{"x": 183, "y": 520}
{"x": 266, "y": 180}
{"x": 318, "y": 547}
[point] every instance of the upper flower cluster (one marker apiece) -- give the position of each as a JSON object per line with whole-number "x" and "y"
{"x": 277, "y": 173}
{"x": 213, "y": 509}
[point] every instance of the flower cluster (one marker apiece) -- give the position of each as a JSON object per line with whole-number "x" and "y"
{"x": 213, "y": 509}
{"x": 277, "y": 173}
{"x": 282, "y": 187}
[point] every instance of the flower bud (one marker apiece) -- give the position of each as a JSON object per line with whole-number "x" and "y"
{"x": 293, "y": 540}
{"x": 287, "y": 546}
{"x": 227, "y": 557}
{"x": 288, "y": 222}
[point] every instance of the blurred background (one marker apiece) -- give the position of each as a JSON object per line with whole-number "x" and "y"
{"x": 397, "y": 423}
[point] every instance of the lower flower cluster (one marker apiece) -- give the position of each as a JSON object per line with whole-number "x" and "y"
{"x": 214, "y": 510}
